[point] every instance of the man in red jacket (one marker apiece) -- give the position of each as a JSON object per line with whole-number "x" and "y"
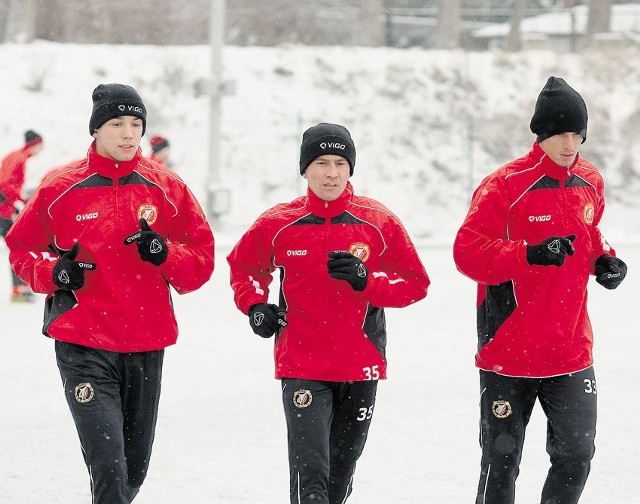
{"x": 160, "y": 150}
{"x": 104, "y": 239}
{"x": 342, "y": 259}
{"x": 12, "y": 175}
{"x": 531, "y": 240}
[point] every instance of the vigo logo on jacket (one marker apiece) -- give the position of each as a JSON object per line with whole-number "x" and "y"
{"x": 87, "y": 216}
{"x": 539, "y": 218}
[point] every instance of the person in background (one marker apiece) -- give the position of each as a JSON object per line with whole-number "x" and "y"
{"x": 12, "y": 198}
{"x": 342, "y": 259}
{"x": 160, "y": 150}
{"x": 105, "y": 239}
{"x": 531, "y": 240}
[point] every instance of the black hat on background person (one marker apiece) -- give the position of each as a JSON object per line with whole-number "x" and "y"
{"x": 158, "y": 143}
{"x": 326, "y": 138}
{"x": 559, "y": 109}
{"x": 114, "y": 100}
{"x": 32, "y": 138}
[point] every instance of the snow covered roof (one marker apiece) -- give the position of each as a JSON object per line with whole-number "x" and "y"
{"x": 624, "y": 19}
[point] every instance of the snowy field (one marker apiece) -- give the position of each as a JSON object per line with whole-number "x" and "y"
{"x": 221, "y": 433}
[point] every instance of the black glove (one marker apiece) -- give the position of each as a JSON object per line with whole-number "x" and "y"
{"x": 265, "y": 319}
{"x": 610, "y": 271}
{"x": 346, "y": 266}
{"x": 68, "y": 274}
{"x": 151, "y": 246}
{"x": 552, "y": 251}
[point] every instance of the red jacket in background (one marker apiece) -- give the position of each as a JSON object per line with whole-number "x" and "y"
{"x": 12, "y": 180}
{"x": 334, "y": 333}
{"x": 532, "y": 320}
{"x": 125, "y": 304}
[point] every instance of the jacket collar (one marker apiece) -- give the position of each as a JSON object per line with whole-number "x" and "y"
{"x": 110, "y": 168}
{"x": 26, "y": 152}
{"x": 549, "y": 167}
{"x": 329, "y": 209}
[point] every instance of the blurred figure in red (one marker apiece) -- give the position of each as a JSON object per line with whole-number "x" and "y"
{"x": 160, "y": 150}
{"x": 12, "y": 199}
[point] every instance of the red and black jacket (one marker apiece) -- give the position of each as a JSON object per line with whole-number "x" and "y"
{"x": 12, "y": 180}
{"x": 334, "y": 333}
{"x": 125, "y": 304}
{"x": 533, "y": 320}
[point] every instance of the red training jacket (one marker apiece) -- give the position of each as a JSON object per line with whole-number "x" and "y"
{"x": 12, "y": 180}
{"x": 125, "y": 304}
{"x": 532, "y": 320}
{"x": 334, "y": 333}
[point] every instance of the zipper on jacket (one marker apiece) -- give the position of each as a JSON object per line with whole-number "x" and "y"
{"x": 116, "y": 183}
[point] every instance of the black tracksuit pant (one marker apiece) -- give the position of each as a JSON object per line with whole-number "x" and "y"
{"x": 327, "y": 425}
{"x": 568, "y": 401}
{"x": 113, "y": 399}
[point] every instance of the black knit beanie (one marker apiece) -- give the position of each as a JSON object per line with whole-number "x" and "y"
{"x": 32, "y": 138}
{"x": 114, "y": 100}
{"x": 559, "y": 109}
{"x": 325, "y": 138}
{"x": 158, "y": 143}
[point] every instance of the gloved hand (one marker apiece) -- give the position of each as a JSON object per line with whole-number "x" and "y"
{"x": 68, "y": 274}
{"x": 151, "y": 246}
{"x": 346, "y": 266}
{"x": 610, "y": 271}
{"x": 552, "y": 251}
{"x": 265, "y": 319}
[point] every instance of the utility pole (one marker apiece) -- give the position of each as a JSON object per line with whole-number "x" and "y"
{"x": 218, "y": 197}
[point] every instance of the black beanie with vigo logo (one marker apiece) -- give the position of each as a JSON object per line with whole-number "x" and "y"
{"x": 326, "y": 138}
{"x": 115, "y": 100}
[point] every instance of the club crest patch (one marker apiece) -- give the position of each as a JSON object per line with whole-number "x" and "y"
{"x": 302, "y": 398}
{"x": 84, "y": 392}
{"x": 148, "y": 212}
{"x": 360, "y": 250}
{"x": 589, "y": 213}
{"x": 501, "y": 409}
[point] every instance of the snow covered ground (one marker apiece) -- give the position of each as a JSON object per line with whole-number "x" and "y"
{"x": 221, "y": 433}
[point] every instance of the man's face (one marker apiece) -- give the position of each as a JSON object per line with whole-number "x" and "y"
{"x": 36, "y": 149}
{"x": 562, "y": 148}
{"x": 327, "y": 176}
{"x": 119, "y": 138}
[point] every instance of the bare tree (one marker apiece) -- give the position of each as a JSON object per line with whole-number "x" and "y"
{"x": 321, "y": 22}
{"x": 448, "y": 30}
{"x": 372, "y": 23}
{"x": 599, "y": 20}
{"x": 513, "y": 42}
{"x": 268, "y": 22}
{"x": 15, "y": 24}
